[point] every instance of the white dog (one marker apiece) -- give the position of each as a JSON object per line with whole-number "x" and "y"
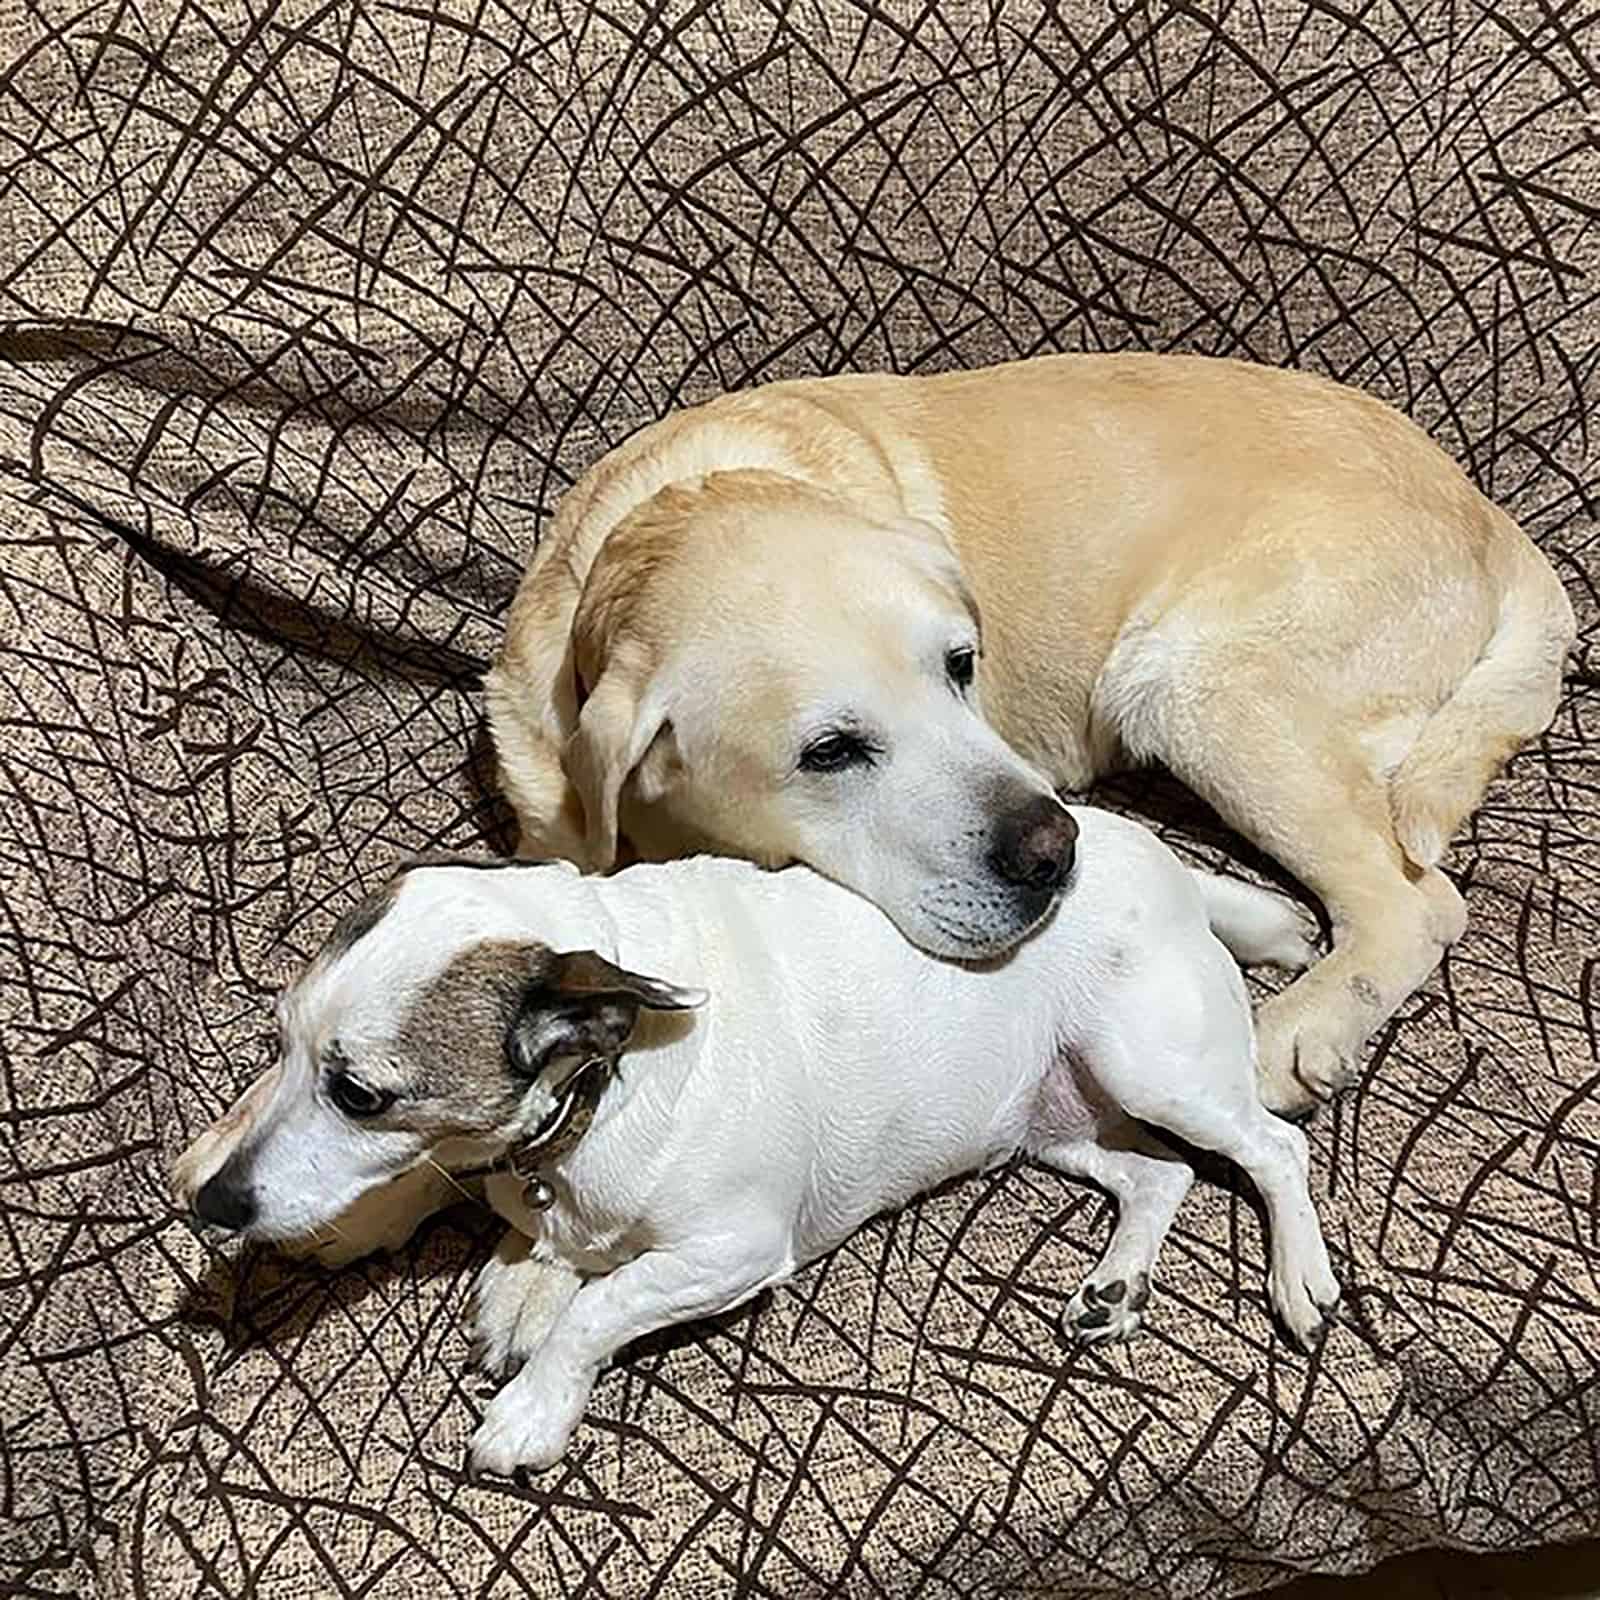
{"x": 837, "y": 1072}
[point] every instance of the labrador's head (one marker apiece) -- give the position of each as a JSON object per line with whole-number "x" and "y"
{"x": 761, "y": 670}
{"x": 426, "y": 1029}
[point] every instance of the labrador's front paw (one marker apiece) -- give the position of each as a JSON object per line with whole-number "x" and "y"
{"x": 1301, "y": 1061}
{"x": 529, "y": 1423}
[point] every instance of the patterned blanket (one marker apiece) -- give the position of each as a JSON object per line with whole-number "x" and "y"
{"x": 309, "y": 312}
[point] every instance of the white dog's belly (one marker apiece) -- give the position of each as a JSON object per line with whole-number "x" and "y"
{"x": 879, "y": 1164}
{"x": 1063, "y": 1112}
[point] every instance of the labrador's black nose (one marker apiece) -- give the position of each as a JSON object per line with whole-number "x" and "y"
{"x": 225, "y": 1205}
{"x": 1034, "y": 847}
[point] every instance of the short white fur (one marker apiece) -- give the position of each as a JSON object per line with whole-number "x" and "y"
{"x": 835, "y": 1072}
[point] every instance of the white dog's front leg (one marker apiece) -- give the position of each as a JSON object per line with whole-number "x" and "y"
{"x": 531, "y": 1420}
{"x": 518, "y": 1296}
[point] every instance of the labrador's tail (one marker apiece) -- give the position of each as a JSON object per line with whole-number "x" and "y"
{"x": 1506, "y": 698}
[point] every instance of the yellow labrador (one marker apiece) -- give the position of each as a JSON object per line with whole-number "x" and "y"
{"x": 755, "y": 627}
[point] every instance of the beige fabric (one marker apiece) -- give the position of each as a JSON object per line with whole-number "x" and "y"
{"x": 312, "y": 313}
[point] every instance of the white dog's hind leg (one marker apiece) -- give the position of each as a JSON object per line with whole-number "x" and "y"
{"x": 1259, "y": 927}
{"x": 1175, "y": 1052}
{"x": 1301, "y": 1283}
{"x": 1149, "y": 1183}
{"x": 515, "y": 1303}
{"x": 531, "y": 1420}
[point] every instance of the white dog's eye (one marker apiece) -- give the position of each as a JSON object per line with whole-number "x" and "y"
{"x": 833, "y": 752}
{"x": 959, "y": 666}
{"x": 356, "y": 1099}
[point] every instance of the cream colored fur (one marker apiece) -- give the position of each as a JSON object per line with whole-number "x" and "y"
{"x": 1275, "y": 585}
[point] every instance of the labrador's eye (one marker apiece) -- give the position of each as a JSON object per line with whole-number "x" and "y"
{"x": 356, "y": 1099}
{"x": 959, "y": 666}
{"x": 833, "y": 752}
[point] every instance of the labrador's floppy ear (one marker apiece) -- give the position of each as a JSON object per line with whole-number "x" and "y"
{"x": 615, "y": 731}
{"x": 582, "y": 1004}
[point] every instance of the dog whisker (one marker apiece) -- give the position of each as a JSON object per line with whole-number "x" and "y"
{"x": 450, "y": 1178}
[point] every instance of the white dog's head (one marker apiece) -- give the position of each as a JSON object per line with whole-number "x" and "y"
{"x": 763, "y": 671}
{"x": 428, "y": 1027}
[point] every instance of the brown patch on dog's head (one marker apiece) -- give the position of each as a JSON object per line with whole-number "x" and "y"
{"x": 452, "y": 1034}
{"x": 503, "y": 1010}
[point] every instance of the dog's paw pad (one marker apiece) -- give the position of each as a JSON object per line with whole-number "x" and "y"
{"x": 1104, "y": 1313}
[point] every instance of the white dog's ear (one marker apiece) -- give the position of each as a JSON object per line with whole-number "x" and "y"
{"x": 587, "y": 975}
{"x": 583, "y": 1004}
{"x": 616, "y": 729}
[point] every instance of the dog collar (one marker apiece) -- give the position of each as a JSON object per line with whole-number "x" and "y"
{"x": 563, "y": 1126}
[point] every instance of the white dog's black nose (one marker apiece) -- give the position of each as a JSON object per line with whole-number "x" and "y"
{"x": 225, "y": 1204}
{"x": 1034, "y": 847}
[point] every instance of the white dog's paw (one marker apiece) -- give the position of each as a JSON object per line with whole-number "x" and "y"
{"x": 1306, "y": 1298}
{"x": 1301, "y": 1063}
{"x": 1294, "y": 946}
{"x": 1106, "y": 1312}
{"x": 515, "y": 1303}
{"x": 529, "y": 1423}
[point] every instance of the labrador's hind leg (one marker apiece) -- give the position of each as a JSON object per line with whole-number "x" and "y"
{"x": 1319, "y": 806}
{"x": 1149, "y": 1183}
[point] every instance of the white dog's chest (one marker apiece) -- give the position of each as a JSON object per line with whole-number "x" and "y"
{"x": 575, "y": 1234}
{"x": 581, "y": 1228}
